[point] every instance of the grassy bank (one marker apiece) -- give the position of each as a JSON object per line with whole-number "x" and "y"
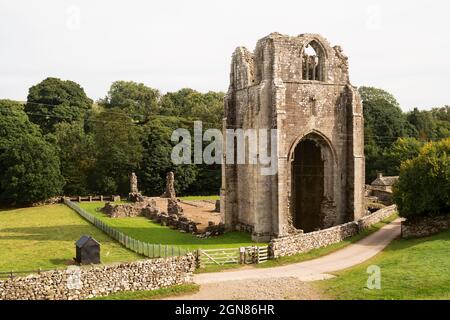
{"x": 410, "y": 269}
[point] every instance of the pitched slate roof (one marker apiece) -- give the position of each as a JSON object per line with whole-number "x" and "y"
{"x": 84, "y": 240}
{"x": 385, "y": 181}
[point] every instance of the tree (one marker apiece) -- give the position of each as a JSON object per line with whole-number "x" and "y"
{"x": 119, "y": 151}
{"x": 442, "y": 116}
{"x": 384, "y": 123}
{"x": 53, "y": 101}
{"x": 29, "y": 166}
{"x": 194, "y": 105}
{"x": 77, "y": 156}
{"x": 402, "y": 150}
{"x": 32, "y": 171}
{"x": 431, "y": 124}
{"x": 423, "y": 188}
{"x": 13, "y": 123}
{"x": 383, "y": 117}
{"x": 156, "y": 161}
{"x": 136, "y": 99}
{"x": 424, "y": 124}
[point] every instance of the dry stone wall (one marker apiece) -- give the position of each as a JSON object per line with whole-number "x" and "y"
{"x": 96, "y": 281}
{"x": 304, "y": 242}
{"x": 424, "y": 227}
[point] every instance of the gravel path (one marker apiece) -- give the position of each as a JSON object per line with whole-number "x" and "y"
{"x": 261, "y": 289}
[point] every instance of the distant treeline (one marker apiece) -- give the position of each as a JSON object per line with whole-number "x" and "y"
{"x": 62, "y": 142}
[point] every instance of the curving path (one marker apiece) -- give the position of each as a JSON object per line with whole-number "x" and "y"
{"x": 311, "y": 270}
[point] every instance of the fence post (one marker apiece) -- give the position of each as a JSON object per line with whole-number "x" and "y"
{"x": 198, "y": 257}
{"x": 241, "y": 255}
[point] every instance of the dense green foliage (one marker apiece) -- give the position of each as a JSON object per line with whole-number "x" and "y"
{"x": 53, "y": 101}
{"x": 424, "y": 184}
{"x": 156, "y": 161}
{"x": 29, "y": 165}
{"x": 77, "y": 153}
{"x": 392, "y": 136}
{"x": 136, "y": 99}
{"x": 119, "y": 151}
{"x": 97, "y": 145}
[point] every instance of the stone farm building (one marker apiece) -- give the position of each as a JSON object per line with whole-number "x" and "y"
{"x": 299, "y": 86}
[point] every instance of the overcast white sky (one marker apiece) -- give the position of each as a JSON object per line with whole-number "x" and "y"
{"x": 401, "y": 46}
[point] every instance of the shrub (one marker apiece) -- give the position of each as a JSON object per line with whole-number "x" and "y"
{"x": 424, "y": 185}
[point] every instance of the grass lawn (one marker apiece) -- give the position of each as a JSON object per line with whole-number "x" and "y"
{"x": 44, "y": 237}
{"x": 153, "y": 294}
{"x": 144, "y": 229}
{"x": 192, "y": 198}
{"x": 410, "y": 269}
{"x": 316, "y": 253}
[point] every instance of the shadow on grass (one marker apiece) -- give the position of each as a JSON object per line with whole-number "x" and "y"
{"x": 412, "y": 242}
{"x": 152, "y": 234}
{"x": 59, "y": 233}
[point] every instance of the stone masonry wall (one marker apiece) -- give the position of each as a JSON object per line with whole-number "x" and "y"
{"x": 98, "y": 281}
{"x": 304, "y": 242}
{"x": 424, "y": 227}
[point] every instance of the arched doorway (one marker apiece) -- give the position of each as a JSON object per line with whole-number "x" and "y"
{"x": 312, "y": 184}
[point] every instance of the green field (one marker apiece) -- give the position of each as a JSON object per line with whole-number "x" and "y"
{"x": 44, "y": 237}
{"x": 410, "y": 269}
{"x": 145, "y": 230}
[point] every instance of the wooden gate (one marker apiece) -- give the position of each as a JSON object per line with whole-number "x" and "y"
{"x": 244, "y": 255}
{"x": 218, "y": 256}
{"x": 263, "y": 254}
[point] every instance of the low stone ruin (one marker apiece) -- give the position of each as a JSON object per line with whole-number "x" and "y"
{"x": 134, "y": 195}
{"x": 217, "y": 208}
{"x": 147, "y": 207}
{"x": 173, "y": 207}
{"x": 213, "y": 230}
{"x": 170, "y": 187}
{"x": 130, "y": 209}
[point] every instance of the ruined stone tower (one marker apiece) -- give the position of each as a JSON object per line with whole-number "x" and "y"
{"x": 299, "y": 86}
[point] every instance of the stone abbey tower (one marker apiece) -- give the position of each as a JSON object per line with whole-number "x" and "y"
{"x": 299, "y": 86}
